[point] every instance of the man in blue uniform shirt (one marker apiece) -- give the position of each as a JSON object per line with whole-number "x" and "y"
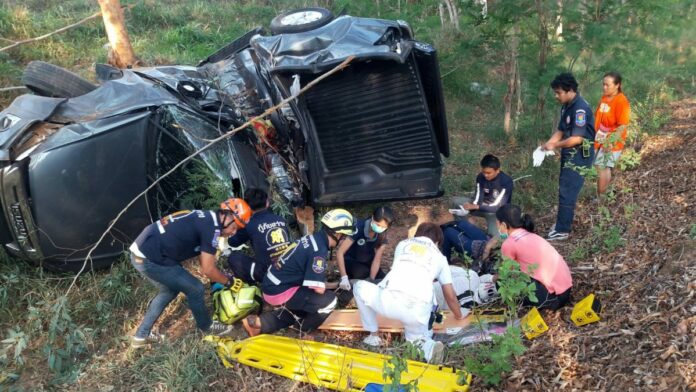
{"x": 574, "y": 137}
{"x": 162, "y": 246}
{"x": 493, "y": 190}
{"x": 268, "y": 234}
{"x": 296, "y": 284}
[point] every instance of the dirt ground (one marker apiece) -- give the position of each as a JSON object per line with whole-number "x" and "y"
{"x": 646, "y": 339}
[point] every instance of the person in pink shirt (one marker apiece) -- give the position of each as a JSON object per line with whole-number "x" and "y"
{"x": 536, "y": 256}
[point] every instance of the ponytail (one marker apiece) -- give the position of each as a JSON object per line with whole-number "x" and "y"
{"x": 528, "y": 223}
{"x": 512, "y": 216}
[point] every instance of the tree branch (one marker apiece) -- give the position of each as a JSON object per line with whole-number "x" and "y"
{"x": 227, "y": 135}
{"x": 3, "y": 89}
{"x": 93, "y": 16}
{"x": 60, "y": 30}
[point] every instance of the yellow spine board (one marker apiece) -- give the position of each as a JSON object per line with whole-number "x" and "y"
{"x": 330, "y": 366}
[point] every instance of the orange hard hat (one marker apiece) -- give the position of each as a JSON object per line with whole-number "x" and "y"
{"x": 238, "y": 208}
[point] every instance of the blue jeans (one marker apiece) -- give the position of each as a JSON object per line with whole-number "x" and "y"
{"x": 569, "y": 185}
{"x": 461, "y": 237}
{"x": 171, "y": 280}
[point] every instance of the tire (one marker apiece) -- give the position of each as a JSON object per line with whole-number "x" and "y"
{"x": 300, "y": 20}
{"x": 50, "y": 80}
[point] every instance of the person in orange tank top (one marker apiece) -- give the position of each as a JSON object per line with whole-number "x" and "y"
{"x": 611, "y": 123}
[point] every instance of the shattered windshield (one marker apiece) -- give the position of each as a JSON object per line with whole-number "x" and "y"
{"x": 206, "y": 179}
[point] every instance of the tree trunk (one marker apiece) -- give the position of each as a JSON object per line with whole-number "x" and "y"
{"x": 484, "y": 7}
{"x": 512, "y": 80}
{"x": 121, "y": 53}
{"x": 543, "y": 36}
{"x": 453, "y": 13}
{"x": 559, "y": 21}
{"x": 441, "y": 11}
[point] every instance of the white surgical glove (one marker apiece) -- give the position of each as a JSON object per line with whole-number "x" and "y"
{"x": 539, "y": 155}
{"x": 345, "y": 283}
{"x": 459, "y": 211}
{"x": 295, "y": 86}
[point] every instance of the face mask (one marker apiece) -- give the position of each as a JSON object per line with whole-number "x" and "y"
{"x": 503, "y": 236}
{"x": 377, "y": 229}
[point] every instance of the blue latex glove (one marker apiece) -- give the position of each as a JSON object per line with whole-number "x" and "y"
{"x": 216, "y": 287}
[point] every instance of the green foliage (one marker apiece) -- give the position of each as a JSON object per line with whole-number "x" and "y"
{"x": 630, "y": 159}
{"x": 514, "y": 285}
{"x": 606, "y": 235}
{"x": 396, "y": 365}
{"x": 182, "y": 365}
{"x": 491, "y": 362}
{"x": 15, "y": 343}
{"x": 206, "y": 189}
{"x": 118, "y": 287}
{"x": 692, "y": 232}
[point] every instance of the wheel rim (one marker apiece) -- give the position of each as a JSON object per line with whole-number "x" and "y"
{"x": 300, "y": 18}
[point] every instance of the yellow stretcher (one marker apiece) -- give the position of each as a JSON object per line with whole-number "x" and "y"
{"x": 330, "y": 366}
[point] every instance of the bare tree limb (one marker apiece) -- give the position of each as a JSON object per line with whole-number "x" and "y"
{"x": 60, "y": 30}
{"x": 227, "y": 135}
{"x": 3, "y": 89}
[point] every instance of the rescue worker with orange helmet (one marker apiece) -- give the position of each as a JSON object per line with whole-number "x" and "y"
{"x": 162, "y": 246}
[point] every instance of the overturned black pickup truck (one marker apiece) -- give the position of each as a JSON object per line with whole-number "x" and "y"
{"x": 74, "y": 154}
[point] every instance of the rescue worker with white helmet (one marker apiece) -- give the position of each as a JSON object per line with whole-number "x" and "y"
{"x": 162, "y": 246}
{"x": 296, "y": 283}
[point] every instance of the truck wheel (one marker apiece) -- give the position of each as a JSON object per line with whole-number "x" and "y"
{"x": 50, "y": 80}
{"x": 300, "y": 20}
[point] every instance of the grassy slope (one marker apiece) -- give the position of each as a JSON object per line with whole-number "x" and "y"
{"x": 184, "y": 32}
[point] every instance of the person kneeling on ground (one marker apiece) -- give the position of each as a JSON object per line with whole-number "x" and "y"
{"x": 297, "y": 282}
{"x": 466, "y": 238}
{"x": 360, "y": 255}
{"x": 406, "y": 292}
{"x": 493, "y": 189}
{"x": 160, "y": 248}
{"x": 549, "y": 271}
{"x": 268, "y": 234}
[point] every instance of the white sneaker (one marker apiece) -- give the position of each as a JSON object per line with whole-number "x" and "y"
{"x": 438, "y": 354}
{"x": 557, "y": 236}
{"x": 137, "y": 342}
{"x": 373, "y": 340}
{"x": 219, "y": 329}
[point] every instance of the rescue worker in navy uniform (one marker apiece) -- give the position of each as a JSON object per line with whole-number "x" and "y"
{"x": 296, "y": 284}
{"x": 160, "y": 248}
{"x": 268, "y": 234}
{"x": 575, "y": 137}
{"x": 360, "y": 256}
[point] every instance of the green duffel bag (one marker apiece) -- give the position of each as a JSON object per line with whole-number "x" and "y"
{"x": 230, "y": 307}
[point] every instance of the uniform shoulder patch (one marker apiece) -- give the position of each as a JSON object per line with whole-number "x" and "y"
{"x": 318, "y": 264}
{"x": 216, "y": 237}
{"x": 580, "y": 118}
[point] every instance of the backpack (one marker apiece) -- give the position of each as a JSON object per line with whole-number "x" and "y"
{"x": 230, "y": 307}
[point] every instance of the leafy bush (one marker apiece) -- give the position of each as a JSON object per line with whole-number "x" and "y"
{"x": 630, "y": 159}
{"x": 491, "y": 361}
